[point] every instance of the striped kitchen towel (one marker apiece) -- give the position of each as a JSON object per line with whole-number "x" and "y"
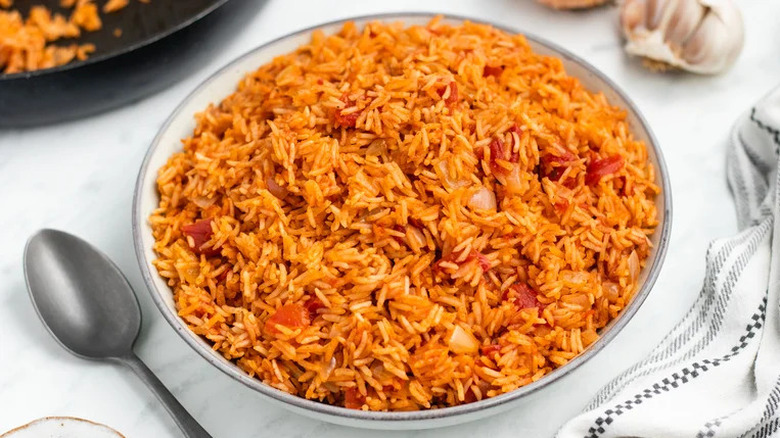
{"x": 717, "y": 373}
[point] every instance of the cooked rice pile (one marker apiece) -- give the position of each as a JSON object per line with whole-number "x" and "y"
{"x": 396, "y": 218}
{"x": 27, "y": 44}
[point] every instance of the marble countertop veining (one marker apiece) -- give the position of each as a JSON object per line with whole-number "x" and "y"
{"x": 79, "y": 177}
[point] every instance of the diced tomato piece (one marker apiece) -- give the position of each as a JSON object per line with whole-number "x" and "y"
{"x": 453, "y": 94}
{"x": 553, "y": 166}
{"x": 523, "y": 297}
{"x": 526, "y": 297}
{"x": 453, "y": 97}
{"x": 292, "y": 316}
{"x": 514, "y": 157}
{"x": 492, "y": 71}
{"x": 624, "y": 190}
{"x": 565, "y": 158}
{"x": 348, "y": 120}
{"x": 312, "y": 305}
{"x": 482, "y": 260}
{"x": 556, "y": 174}
{"x": 600, "y": 168}
{"x": 561, "y": 206}
{"x": 490, "y": 350}
{"x": 200, "y": 232}
{"x": 353, "y": 399}
{"x": 497, "y": 150}
{"x": 560, "y": 160}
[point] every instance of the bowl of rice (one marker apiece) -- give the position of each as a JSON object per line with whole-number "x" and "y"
{"x": 402, "y": 221}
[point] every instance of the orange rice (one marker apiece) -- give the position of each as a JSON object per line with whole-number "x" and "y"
{"x": 114, "y": 5}
{"x": 398, "y": 218}
{"x": 27, "y": 44}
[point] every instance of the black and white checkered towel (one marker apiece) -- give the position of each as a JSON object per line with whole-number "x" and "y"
{"x": 717, "y": 373}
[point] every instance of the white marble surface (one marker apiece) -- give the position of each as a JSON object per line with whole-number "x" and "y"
{"x": 79, "y": 177}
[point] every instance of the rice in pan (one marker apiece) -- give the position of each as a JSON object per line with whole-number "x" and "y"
{"x": 398, "y": 218}
{"x": 35, "y": 42}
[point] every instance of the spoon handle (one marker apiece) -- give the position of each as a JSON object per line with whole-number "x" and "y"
{"x": 188, "y": 425}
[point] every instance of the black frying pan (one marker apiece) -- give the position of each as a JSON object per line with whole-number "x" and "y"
{"x": 161, "y": 41}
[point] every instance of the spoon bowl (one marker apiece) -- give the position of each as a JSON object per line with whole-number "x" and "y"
{"x": 89, "y": 307}
{"x": 102, "y": 323}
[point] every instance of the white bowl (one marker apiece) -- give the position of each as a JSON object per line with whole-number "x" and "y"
{"x": 181, "y": 124}
{"x": 62, "y": 427}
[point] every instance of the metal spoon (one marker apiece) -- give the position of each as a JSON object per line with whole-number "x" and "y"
{"x": 88, "y": 306}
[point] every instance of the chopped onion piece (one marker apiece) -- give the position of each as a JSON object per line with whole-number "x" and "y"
{"x": 376, "y": 147}
{"x": 511, "y": 180}
{"x": 575, "y": 277}
{"x": 417, "y": 236}
{"x": 611, "y": 291}
{"x": 483, "y": 199}
{"x": 449, "y": 181}
{"x": 203, "y": 201}
{"x": 462, "y": 341}
{"x": 633, "y": 266}
{"x": 329, "y": 369}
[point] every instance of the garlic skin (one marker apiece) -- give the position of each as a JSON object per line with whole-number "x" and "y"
{"x": 700, "y": 36}
{"x": 572, "y": 4}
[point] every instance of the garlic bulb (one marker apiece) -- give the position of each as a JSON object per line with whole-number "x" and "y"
{"x": 572, "y": 4}
{"x": 701, "y": 36}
